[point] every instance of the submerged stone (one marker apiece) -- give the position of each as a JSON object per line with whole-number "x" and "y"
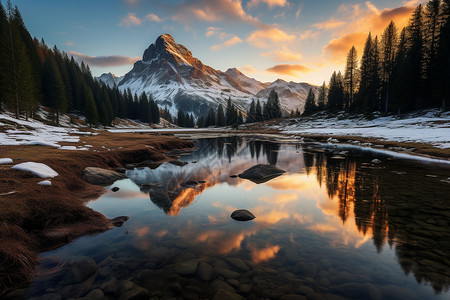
{"x": 242, "y": 215}
{"x": 115, "y": 189}
{"x": 261, "y": 173}
{"x": 119, "y": 221}
{"x": 178, "y": 163}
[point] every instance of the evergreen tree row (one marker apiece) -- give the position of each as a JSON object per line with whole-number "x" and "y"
{"x": 32, "y": 74}
{"x": 400, "y": 71}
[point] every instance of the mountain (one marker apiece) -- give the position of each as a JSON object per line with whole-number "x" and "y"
{"x": 176, "y": 79}
{"x": 292, "y": 95}
{"x": 109, "y": 79}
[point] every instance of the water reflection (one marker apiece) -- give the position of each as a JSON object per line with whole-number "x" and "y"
{"x": 383, "y": 205}
{"x": 313, "y": 232}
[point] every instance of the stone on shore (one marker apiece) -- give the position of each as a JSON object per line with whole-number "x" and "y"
{"x": 99, "y": 176}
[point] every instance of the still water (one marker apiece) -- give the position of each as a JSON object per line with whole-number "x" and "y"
{"x": 334, "y": 226}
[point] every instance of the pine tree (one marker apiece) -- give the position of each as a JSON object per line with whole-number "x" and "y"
{"x": 389, "y": 41}
{"x": 335, "y": 92}
{"x": 375, "y": 78}
{"x": 211, "y": 118}
{"x": 310, "y": 104}
{"x": 416, "y": 54}
{"x": 251, "y": 114}
{"x": 54, "y": 93}
{"x": 258, "y": 112}
{"x": 273, "y": 106}
{"x": 351, "y": 76}
{"x": 321, "y": 97}
{"x": 90, "y": 108}
{"x": 401, "y": 88}
{"x": 432, "y": 25}
{"x": 4, "y": 54}
{"x": 181, "y": 118}
{"x": 220, "y": 116}
{"x": 229, "y": 112}
{"x": 441, "y": 78}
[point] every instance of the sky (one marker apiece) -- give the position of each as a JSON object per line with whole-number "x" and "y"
{"x": 295, "y": 40}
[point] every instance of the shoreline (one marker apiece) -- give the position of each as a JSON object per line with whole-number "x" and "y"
{"x": 36, "y": 218}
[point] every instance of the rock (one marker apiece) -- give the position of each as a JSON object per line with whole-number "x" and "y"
{"x": 376, "y": 161}
{"x": 226, "y": 295}
{"x": 119, "y": 221}
{"x": 50, "y": 296}
{"x": 218, "y": 285}
{"x": 238, "y": 264}
{"x": 99, "y": 176}
{"x": 178, "y": 163}
{"x": 234, "y": 283}
{"x": 115, "y": 189}
{"x": 79, "y": 271}
{"x": 233, "y": 176}
{"x": 131, "y": 291}
{"x": 187, "y": 268}
{"x": 111, "y": 287}
{"x": 261, "y": 173}
{"x": 227, "y": 274}
{"x": 205, "y": 272}
{"x": 242, "y": 215}
{"x": 120, "y": 170}
{"x": 96, "y": 294}
{"x": 178, "y": 152}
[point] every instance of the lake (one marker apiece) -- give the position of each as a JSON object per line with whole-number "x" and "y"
{"x": 337, "y": 225}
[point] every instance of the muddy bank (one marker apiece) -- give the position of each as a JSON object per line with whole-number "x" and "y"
{"x": 35, "y": 218}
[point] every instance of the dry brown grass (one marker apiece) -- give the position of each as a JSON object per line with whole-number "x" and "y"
{"x": 36, "y": 218}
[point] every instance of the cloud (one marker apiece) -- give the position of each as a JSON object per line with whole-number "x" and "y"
{"x": 212, "y": 11}
{"x": 270, "y": 3}
{"x": 69, "y": 43}
{"x": 337, "y": 49}
{"x": 284, "y": 55}
{"x": 130, "y": 20}
{"x": 268, "y": 36}
{"x": 247, "y": 69}
{"x": 297, "y": 13}
{"x": 230, "y": 42}
{"x": 105, "y": 61}
{"x": 287, "y": 69}
{"x": 153, "y": 18}
{"x": 363, "y": 19}
{"x": 330, "y": 24}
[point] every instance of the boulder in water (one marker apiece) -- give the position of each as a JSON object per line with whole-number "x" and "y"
{"x": 242, "y": 215}
{"x": 99, "y": 176}
{"x": 261, "y": 173}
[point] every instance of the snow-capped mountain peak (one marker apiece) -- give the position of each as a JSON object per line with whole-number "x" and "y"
{"x": 178, "y": 80}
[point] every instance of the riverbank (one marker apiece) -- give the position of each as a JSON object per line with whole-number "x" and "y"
{"x": 34, "y": 217}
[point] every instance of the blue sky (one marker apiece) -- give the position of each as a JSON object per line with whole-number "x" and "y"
{"x": 303, "y": 41}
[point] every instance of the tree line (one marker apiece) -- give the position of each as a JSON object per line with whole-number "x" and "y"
{"x": 32, "y": 74}
{"x": 398, "y": 72}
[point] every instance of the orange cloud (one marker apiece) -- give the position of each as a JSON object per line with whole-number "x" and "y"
{"x": 337, "y": 49}
{"x": 130, "y": 20}
{"x": 230, "y": 42}
{"x": 105, "y": 61}
{"x": 213, "y": 11}
{"x": 262, "y": 37}
{"x": 153, "y": 18}
{"x": 270, "y": 3}
{"x": 284, "y": 55}
{"x": 364, "y": 19}
{"x": 287, "y": 69}
{"x": 330, "y": 24}
{"x": 264, "y": 254}
{"x": 247, "y": 69}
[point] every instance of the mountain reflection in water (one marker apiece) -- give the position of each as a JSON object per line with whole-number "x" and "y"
{"x": 314, "y": 225}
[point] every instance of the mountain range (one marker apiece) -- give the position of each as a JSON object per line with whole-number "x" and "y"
{"x": 177, "y": 80}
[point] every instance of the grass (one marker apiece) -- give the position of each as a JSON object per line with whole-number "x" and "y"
{"x": 36, "y": 218}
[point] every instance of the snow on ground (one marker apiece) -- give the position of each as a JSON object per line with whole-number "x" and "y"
{"x": 4, "y": 161}
{"x": 33, "y": 132}
{"x": 45, "y": 182}
{"x": 429, "y": 127}
{"x": 38, "y": 169}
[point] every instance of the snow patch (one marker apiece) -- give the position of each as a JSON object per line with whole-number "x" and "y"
{"x": 45, "y": 182}
{"x": 38, "y": 169}
{"x": 4, "y": 161}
